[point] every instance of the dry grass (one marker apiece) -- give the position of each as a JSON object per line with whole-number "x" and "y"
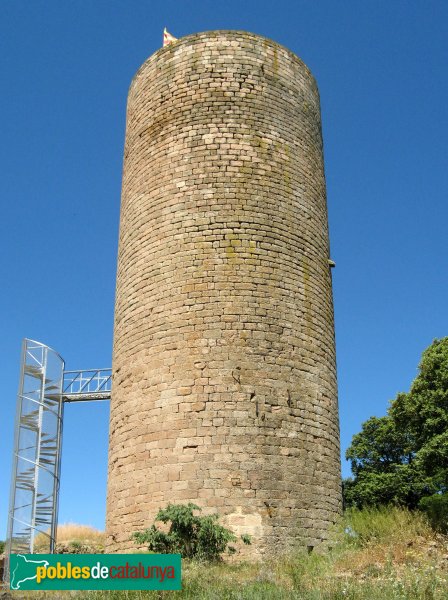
{"x": 387, "y": 554}
{"x": 375, "y": 540}
{"x": 69, "y": 533}
{"x": 81, "y": 533}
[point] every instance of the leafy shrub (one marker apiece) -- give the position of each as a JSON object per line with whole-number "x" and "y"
{"x": 2, "y": 546}
{"x": 198, "y": 537}
{"x": 77, "y": 547}
{"x": 436, "y": 508}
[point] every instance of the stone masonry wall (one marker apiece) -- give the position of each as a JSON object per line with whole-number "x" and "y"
{"x": 224, "y": 379}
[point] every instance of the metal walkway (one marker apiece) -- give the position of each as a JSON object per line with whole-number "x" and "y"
{"x": 82, "y": 386}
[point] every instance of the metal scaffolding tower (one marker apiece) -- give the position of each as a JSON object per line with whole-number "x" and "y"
{"x": 44, "y": 387}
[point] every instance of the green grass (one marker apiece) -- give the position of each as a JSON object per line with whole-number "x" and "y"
{"x": 385, "y": 554}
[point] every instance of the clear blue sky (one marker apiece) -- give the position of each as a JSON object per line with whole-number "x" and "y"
{"x": 65, "y": 69}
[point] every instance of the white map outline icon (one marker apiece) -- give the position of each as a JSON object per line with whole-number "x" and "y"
{"x": 16, "y": 586}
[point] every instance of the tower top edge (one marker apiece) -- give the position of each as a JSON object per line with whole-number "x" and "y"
{"x": 217, "y": 34}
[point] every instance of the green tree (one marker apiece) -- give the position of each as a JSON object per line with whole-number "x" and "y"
{"x": 403, "y": 456}
{"x": 423, "y": 412}
{"x": 192, "y": 536}
{"x": 378, "y": 448}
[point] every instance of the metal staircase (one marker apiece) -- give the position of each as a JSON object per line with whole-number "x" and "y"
{"x": 44, "y": 388}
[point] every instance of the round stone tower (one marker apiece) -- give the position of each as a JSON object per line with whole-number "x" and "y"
{"x": 224, "y": 379}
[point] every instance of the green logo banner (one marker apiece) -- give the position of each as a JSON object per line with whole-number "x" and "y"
{"x": 95, "y": 572}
